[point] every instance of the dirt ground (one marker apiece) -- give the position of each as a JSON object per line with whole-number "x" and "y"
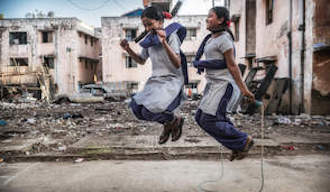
{"x": 65, "y": 124}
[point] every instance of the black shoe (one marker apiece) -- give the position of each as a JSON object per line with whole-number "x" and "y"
{"x": 177, "y": 130}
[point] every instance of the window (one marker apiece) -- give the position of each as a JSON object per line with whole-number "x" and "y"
{"x": 190, "y": 59}
{"x": 130, "y": 34}
{"x": 19, "y": 62}
{"x": 269, "y": 11}
{"x": 191, "y": 33}
{"x": 86, "y": 39}
{"x": 191, "y": 85}
{"x": 17, "y": 38}
{"x": 49, "y": 62}
{"x": 130, "y": 63}
{"x": 47, "y": 36}
{"x": 92, "y": 41}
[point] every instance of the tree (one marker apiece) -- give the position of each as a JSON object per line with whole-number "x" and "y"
{"x": 39, "y": 14}
{"x": 2, "y": 16}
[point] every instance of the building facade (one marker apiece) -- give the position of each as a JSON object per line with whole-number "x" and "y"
{"x": 295, "y": 35}
{"x": 66, "y": 46}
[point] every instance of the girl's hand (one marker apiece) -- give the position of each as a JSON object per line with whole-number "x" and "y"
{"x": 161, "y": 35}
{"x": 124, "y": 44}
{"x": 249, "y": 95}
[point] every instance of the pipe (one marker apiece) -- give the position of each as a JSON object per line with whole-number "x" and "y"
{"x": 290, "y": 58}
{"x": 302, "y": 28}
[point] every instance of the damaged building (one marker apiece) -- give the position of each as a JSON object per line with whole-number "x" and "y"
{"x": 61, "y": 51}
{"x": 293, "y": 38}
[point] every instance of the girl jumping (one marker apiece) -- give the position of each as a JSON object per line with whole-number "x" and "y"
{"x": 224, "y": 84}
{"x": 163, "y": 91}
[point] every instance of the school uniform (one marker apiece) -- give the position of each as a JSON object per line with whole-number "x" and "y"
{"x": 220, "y": 95}
{"x": 163, "y": 91}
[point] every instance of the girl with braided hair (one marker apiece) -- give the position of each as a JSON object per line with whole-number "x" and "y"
{"x": 163, "y": 91}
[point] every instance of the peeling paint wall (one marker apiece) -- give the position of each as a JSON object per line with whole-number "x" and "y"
{"x": 321, "y": 59}
{"x": 272, "y": 40}
{"x": 64, "y": 47}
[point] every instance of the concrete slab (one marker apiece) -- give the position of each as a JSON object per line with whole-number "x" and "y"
{"x": 308, "y": 173}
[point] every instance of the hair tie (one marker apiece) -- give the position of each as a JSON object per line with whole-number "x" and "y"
{"x": 167, "y": 15}
{"x": 228, "y": 23}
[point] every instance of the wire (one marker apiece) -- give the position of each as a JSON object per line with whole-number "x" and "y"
{"x": 118, "y": 4}
{"x": 89, "y": 9}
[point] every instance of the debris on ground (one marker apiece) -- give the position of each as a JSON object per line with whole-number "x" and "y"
{"x": 54, "y": 127}
{"x": 79, "y": 160}
{"x": 290, "y": 148}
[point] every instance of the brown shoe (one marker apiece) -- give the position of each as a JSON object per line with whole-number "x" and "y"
{"x": 165, "y": 135}
{"x": 248, "y": 145}
{"x": 177, "y": 129}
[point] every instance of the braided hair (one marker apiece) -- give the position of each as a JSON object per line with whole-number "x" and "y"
{"x": 222, "y": 12}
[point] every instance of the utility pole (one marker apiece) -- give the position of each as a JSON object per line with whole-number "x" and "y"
{"x": 212, "y": 3}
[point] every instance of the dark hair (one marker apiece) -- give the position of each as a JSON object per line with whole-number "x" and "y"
{"x": 153, "y": 13}
{"x": 222, "y": 12}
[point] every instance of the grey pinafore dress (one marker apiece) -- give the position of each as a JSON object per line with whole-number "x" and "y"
{"x": 218, "y": 79}
{"x": 166, "y": 81}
